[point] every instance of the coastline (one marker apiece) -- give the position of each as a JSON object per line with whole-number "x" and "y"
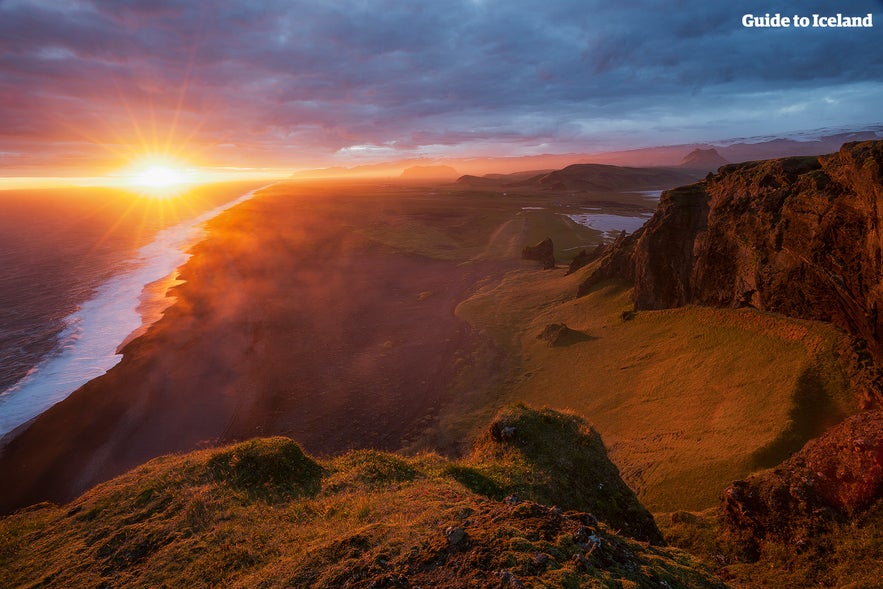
{"x": 323, "y": 337}
{"x": 122, "y": 308}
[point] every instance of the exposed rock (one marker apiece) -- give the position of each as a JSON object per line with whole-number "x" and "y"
{"x": 617, "y": 263}
{"x": 455, "y": 535}
{"x": 559, "y": 335}
{"x": 543, "y": 252}
{"x": 508, "y": 580}
{"x": 799, "y": 236}
{"x": 834, "y": 476}
{"x": 584, "y": 258}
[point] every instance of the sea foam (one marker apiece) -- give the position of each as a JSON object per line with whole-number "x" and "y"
{"x": 88, "y": 346}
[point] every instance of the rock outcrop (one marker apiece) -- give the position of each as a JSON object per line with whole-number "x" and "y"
{"x": 363, "y": 519}
{"x": 562, "y": 448}
{"x": 799, "y": 236}
{"x": 558, "y": 335}
{"x": 835, "y": 476}
{"x": 584, "y": 258}
{"x": 543, "y": 252}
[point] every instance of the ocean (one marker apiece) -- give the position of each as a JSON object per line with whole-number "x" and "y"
{"x": 81, "y": 272}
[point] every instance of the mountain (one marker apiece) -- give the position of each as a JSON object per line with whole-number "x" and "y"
{"x": 502, "y": 180}
{"x": 799, "y": 236}
{"x": 707, "y": 160}
{"x": 600, "y": 177}
{"x": 433, "y": 173}
{"x": 813, "y": 142}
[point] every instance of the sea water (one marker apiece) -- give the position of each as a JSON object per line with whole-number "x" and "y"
{"x": 88, "y": 343}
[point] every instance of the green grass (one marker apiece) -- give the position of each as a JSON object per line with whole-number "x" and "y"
{"x": 687, "y": 400}
{"x": 454, "y": 224}
{"x": 263, "y": 514}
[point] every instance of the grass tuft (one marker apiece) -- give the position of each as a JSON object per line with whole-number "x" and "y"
{"x": 270, "y": 469}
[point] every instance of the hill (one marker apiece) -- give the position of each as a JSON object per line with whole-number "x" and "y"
{"x": 707, "y": 160}
{"x": 263, "y": 513}
{"x": 600, "y": 177}
{"x": 429, "y": 173}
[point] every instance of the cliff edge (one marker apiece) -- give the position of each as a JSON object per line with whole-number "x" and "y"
{"x": 800, "y": 236}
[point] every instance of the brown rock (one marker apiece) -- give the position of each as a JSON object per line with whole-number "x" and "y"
{"x": 559, "y": 335}
{"x": 801, "y": 236}
{"x": 835, "y": 476}
{"x": 543, "y": 252}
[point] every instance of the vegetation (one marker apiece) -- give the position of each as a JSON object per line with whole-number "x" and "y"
{"x": 263, "y": 514}
{"x": 843, "y": 554}
{"x": 687, "y": 399}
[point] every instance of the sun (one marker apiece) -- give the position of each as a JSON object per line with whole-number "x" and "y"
{"x": 159, "y": 176}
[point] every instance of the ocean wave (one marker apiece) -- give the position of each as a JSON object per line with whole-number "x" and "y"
{"x": 87, "y": 346}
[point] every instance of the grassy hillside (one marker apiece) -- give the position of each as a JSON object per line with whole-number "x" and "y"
{"x": 687, "y": 399}
{"x": 843, "y": 554}
{"x": 264, "y": 514}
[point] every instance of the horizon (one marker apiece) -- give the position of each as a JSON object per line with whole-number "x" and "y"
{"x": 91, "y": 88}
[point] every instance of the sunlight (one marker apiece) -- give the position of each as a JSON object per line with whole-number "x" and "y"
{"x": 160, "y": 178}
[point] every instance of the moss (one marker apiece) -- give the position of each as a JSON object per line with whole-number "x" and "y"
{"x": 371, "y": 468}
{"x": 271, "y": 469}
{"x": 475, "y": 480}
{"x": 557, "y": 459}
{"x": 262, "y": 513}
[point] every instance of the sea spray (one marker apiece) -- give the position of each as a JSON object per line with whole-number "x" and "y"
{"x": 88, "y": 346}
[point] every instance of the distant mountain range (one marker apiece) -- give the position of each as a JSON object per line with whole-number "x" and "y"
{"x": 588, "y": 177}
{"x": 737, "y": 150}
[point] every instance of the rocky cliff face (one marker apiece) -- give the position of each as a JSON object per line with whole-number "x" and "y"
{"x": 837, "y": 475}
{"x": 800, "y": 236}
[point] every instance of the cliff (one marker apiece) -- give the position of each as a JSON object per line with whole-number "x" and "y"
{"x": 799, "y": 236}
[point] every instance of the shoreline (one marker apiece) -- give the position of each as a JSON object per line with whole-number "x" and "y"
{"x": 97, "y": 324}
{"x": 326, "y": 336}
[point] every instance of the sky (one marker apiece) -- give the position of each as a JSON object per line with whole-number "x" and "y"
{"x": 90, "y": 86}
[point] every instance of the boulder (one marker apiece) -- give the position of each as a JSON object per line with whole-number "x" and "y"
{"x": 559, "y": 335}
{"x": 543, "y": 252}
{"x": 834, "y": 477}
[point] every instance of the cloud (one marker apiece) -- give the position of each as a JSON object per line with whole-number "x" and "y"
{"x": 297, "y": 83}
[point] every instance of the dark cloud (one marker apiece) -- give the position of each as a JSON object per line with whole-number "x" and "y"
{"x": 307, "y": 79}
